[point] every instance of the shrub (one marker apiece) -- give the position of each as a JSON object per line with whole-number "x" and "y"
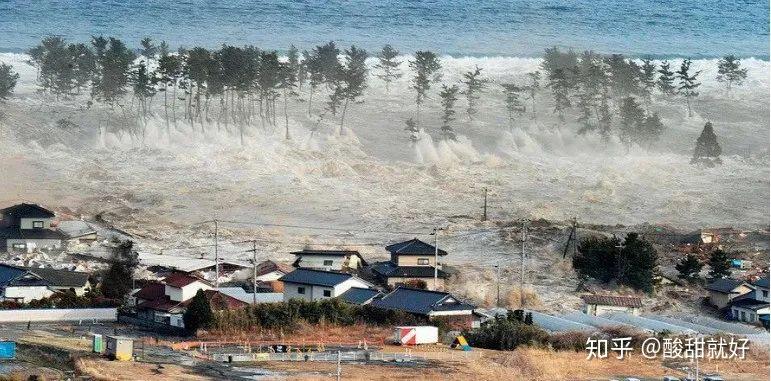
{"x": 507, "y": 333}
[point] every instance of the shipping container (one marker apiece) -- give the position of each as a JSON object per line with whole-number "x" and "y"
{"x": 414, "y": 335}
{"x": 7, "y": 350}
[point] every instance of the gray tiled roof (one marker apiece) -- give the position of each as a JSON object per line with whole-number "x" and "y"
{"x": 316, "y": 277}
{"x": 413, "y": 247}
{"x": 357, "y": 295}
{"x": 331, "y": 253}
{"x": 762, "y": 282}
{"x": 16, "y": 233}
{"x": 612, "y": 300}
{"x": 419, "y": 301}
{"x": 61, "y": 278}
{"x": 26, "y": 210}
{"x": 724, "y": 285}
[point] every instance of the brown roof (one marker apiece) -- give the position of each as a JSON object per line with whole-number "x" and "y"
{"x": 180, "y": 280}
{"x": 162, "y": 303}
{"x": 270, "y": 266}
{"x": 151, "y": 291}
{"x": 610, "y": 300}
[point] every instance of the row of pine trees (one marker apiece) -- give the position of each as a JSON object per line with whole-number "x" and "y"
{"x": 233, "y": 87}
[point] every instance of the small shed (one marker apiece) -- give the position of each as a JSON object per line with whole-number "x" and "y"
{"x": 119, "y": 348}
{"x": 415, "y": 335}
{"x": 602, "y": 304}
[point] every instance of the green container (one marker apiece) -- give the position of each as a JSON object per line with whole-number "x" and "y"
{"x": 98, "y": 344}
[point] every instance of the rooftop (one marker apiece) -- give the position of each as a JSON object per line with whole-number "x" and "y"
{"x": 335, "y": 253}
{"x": 357, "y": 295}
{"x": 61, "y": 278}
{"x": 724, "y": 285}
{"x": 316, "y": 277}
{"x": 11, "y": 232}
{"x": 762, "y": 282}
{"x": 180, "y": 280}
{"x": 611, "y": 300}
{"x": 419, "y": 301}
{"x": 27, "y": 210}
{"x": 413, "y": 247}
{"x": 390, "y": 270}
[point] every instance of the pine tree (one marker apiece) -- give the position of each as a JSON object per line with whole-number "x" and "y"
{"x": 412, "y": 129}
{"x": 729, "y": 70}
{"x": 142, "y": 86}
{"x": 289, "y": 82}
{"x": 719, "y": 264}
{"x": 624, "y": 76}
{"x": 638, "y": 261}
{"x": 199, "y": 313}
{"x": 148, "y": 48}
{"x": 592, "y": 83}
{"x": 84, "y": 65}
{"x": 8, "y": 79}
{"x": 650, "y": 130}
{"x": 647, "y": 79}
{"x": 689, "y": 267}
{"x": 666, "y": 81}
{"x": 354, "y": 78}
{"x": 167, "y": 73}
{"x": 632, "y": 117}
{"x": 532, "y": 89}
{"x": 117, "y": 282}
{"x": 448, "y": 95}
{"x": 388, "y": 66}
{"x": 707, "y": 149}
{"x": 474, "y": 86}
{"x": 687, "y": 84}
{"x": 113, "y": 77}
{"x": 560, "y": 86}
{"x": 514, "y": 106}
{"x": 427, "y": 71}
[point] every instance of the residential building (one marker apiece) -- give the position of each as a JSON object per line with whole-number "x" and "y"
{"x": 722, "y": 291}
{"x": 269, "y": 271}
{"x": 329, "y": 260}
{"x": 27, "y": 227}
{"x": 166, "y": 302}
{"x": 412, "y": 262}
{"x": 77, "y": 231}
{"x": 360, "y": 296}
{"x": 433, "y": 305}
{"x": 24, "y": 284}
{"x": 310, "y": 285}
{"x": 602, "y": 304}
{"x": 752, "y": 307}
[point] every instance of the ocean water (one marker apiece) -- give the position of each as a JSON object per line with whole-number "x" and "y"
{"x": 657, "y": 28}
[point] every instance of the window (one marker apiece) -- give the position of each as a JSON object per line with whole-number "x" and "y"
{"x": 301, "y": 290}
{"x": 37, "y": 224}
{"x": 765, "y": 293}
{"x": 423, "y": 261}
{"x": 327, "y": 293}
{"x": 744, "y": 316}
{"x": 327, "y": 262}
{"x": 19, "y": 246}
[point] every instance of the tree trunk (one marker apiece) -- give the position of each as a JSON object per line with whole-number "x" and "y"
{"x": 286, "y": 117}
{"x": 342, "y": 115}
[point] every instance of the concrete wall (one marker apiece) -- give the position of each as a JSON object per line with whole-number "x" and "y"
{"x": 188, "y": 292}
{"x": 28, "y": 223}
{"x": 721, "y": 300}
{"x": 55, "y": 315}
{"x": 32, "y": 244}
{"x": 26, "y": 294}
{"x": 597, "y": 310}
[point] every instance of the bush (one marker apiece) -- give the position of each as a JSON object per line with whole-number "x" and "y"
{"x": 507, "y": 333}
{"x": 290, "y": 314}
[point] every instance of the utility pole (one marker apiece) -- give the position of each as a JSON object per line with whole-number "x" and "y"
{"x": 339, "y": 371}
{"x": 522, "y": 267}
{"x": 436, "y": 257}
{"x": 216, "y": 255}
{"x": 498, "y": 281}
{"x": 572, "y": 238}
{"x": 484, "y": 208}
{"x": 254, "y": 270}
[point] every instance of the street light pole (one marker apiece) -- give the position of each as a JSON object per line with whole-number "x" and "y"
{"x": 216, "y": 255}
{"x": 522, "y": 267}
{"x": 436, "y": 258}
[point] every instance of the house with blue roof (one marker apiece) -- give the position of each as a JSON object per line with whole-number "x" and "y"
{"x": 412, "y": 262}
{"x": 360, "y": 296}
{"x": 312, "y": 284}
{"x": 25, "y": 284}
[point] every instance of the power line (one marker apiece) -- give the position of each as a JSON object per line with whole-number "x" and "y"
{"x": 311, "y": 227}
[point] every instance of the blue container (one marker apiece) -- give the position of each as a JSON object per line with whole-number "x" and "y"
{"x": 7, "y": 350}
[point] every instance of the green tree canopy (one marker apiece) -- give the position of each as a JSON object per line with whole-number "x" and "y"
{"x": 719, "y": 264}
{"x": 198, "y": 313}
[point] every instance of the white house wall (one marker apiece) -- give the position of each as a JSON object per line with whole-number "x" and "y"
{"x": 345, "y": 286}
{"x": 185, "y": 293}
{"x": 317, "y": 262}
{"x": 26, "y": 294}
{"x": 27, "y": 223}
{"x": 32, "y": 244}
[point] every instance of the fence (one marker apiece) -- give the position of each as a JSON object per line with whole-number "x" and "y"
{"x": 152, "y": 326}
{"x": 347, "y": 356}
{"x": 58, "y": 315}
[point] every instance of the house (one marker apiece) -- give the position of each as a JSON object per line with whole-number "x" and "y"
{"x": 166, "y": 302}
{"x": 752, "y": 307}
{"x": 310, "y": 285}
{"x": 77, "y": 231}
{"x": 269, "y": 271}
{"x": 250, "y": 297}
{"x": 722, "y": 291}
{"x": 432, "y": 305}
{"x": 360, "y": 296}
{"x": 26, "y": 227}
{"x": 602, "y": 304}
{"x": 24, "y": 284}
{"x": 412, "y": 262}
{"x": 330, "y": 260}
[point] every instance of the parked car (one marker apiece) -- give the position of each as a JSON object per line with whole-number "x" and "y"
{"x": 713, "y": 378}
{"x": 671, "y": 378}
